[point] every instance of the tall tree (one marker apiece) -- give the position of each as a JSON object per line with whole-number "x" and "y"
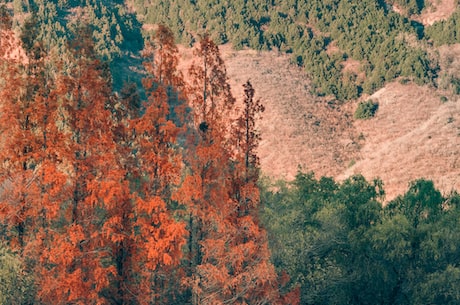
{"x": 227, "y": 250}
{"x": 29, "y": 133}
{"x": 204, "y": 189}
{"x": 210, "y": 93}
{"x": 157, "y": 244}
{"x": 76, "y": 252}
{"x": 246, "y": 140}
{"x": 33, "y": 175}
{"x": 247, "y": 258}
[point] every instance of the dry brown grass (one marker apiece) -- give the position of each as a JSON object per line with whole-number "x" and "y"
{"x": 450, "y": 65}
{"x": 297, "y": 128}
{"x": 413, "y": 135}
{"x": 10, "y": 45}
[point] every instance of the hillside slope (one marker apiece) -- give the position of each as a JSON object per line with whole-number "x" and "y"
{"x": 298, "y": 128}
{"x": 413, "y": 135}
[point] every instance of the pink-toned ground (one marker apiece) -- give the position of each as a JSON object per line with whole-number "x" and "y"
{"x": 298, "y": 129}
{"x": 10, "y": 47}
{"x": 435, "y": 10}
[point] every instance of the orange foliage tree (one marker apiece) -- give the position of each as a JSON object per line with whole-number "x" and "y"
{"x": 118, "y": 232}
{"x": 228, "y": 256}
{"x": 203, "y": 190}
{"x": 159, "y": 238}
{"x": 253, "y": 278}
{"x": 76, "y": 257}
{"x": 33, "y": 179}
{"x": 88, "y": 180}
{"x": 29, "y": 175}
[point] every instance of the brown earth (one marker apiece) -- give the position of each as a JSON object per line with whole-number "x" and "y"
{"x": 413, "y": 135}
{"x": 437, "y": 10}
{"x": 297, "y": 128}
{"x": 9, "y": 45}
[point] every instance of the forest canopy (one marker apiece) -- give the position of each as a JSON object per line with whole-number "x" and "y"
{"x": 320, "y": 36}
{"x": 341, "y": 245}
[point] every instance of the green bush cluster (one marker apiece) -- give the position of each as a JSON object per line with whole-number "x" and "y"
{"x": 115, "y": 31}
{"x": 410, "y": 6}
{"x": 16, "y": 286}
{"x": 366, "y": 110}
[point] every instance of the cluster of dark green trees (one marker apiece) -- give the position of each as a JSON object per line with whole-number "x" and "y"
{"x": 446, "y": 31}
{"x": 409, "y": 6}
{"x": 340, "y": 245}
{"x": 368, "y": 31}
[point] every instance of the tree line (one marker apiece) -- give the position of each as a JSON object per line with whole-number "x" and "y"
{"x": 341, "y": 245}
{"x": 320, "y": 35}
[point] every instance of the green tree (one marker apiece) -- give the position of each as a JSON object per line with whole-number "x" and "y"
{"x": 16, "y": 285}
{"x": 318, "y": 235}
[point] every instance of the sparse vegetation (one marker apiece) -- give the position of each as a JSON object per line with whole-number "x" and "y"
{"x": 16, "y": 286}
{"x": 366, "y": 110}
{"x": 351, "y": 163}
{"x": 410, "y": 7}
{"x": 455, "y": 82}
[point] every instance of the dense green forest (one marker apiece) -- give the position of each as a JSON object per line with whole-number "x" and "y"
{"x": 340, "y": 245}
{"x": 387, "y": 44}
{"x": 124, "y": 182}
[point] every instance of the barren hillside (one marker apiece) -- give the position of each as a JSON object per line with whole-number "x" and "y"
{"x": 414, "y": 134}
{"x": 298, "y": 129}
